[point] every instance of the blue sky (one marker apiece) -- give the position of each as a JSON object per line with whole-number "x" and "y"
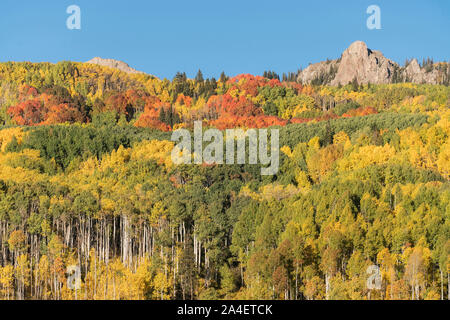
{"x": 166, "y": 36}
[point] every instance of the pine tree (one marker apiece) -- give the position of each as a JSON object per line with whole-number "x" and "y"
{"x": 223, "y": 78}
{"x": 355, "y": 85}
{"x": 162, "y": 115}
{"x": 199, "y": 77}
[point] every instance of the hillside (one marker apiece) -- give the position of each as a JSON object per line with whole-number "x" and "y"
{"x": 87, "y": 180}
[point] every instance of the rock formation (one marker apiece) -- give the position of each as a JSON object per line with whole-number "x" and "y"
{"x": 111, "y": 63}
{"x": 370, "y": 66}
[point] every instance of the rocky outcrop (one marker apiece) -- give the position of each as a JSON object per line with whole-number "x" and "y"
{"x": 368, "y": 66}
{"x": 365, "y": 65}
{"x": 319, "y": 71}
{"x": 414, "y": 73}
{"x": 111, "y": 63}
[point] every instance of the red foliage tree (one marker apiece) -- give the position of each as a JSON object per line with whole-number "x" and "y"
{"x": 359, "y": 112}
{"x": 226, "y": 105}
{"x": 27, "y": 113}
{"x": 147, "y": 120}
{"x": 249, "y": 84}
{"x": 44, "y": 109}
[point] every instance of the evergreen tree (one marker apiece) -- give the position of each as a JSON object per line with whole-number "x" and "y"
{"x": 355, "y": 85}
{"x": 199, "y": 77}
{"x": 162, "y": 115}
{"x": 223, "y": 78}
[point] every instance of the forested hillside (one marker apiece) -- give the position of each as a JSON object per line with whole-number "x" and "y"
{"x": 86, "y": 179}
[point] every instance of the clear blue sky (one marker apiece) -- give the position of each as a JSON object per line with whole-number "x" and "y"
{"x": 237, "y": 36}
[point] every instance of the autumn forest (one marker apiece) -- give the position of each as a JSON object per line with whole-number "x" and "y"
{"x": 86, "y": 179}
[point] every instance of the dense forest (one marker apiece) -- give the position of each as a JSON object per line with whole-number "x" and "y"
{"x": 86, "y": 179}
